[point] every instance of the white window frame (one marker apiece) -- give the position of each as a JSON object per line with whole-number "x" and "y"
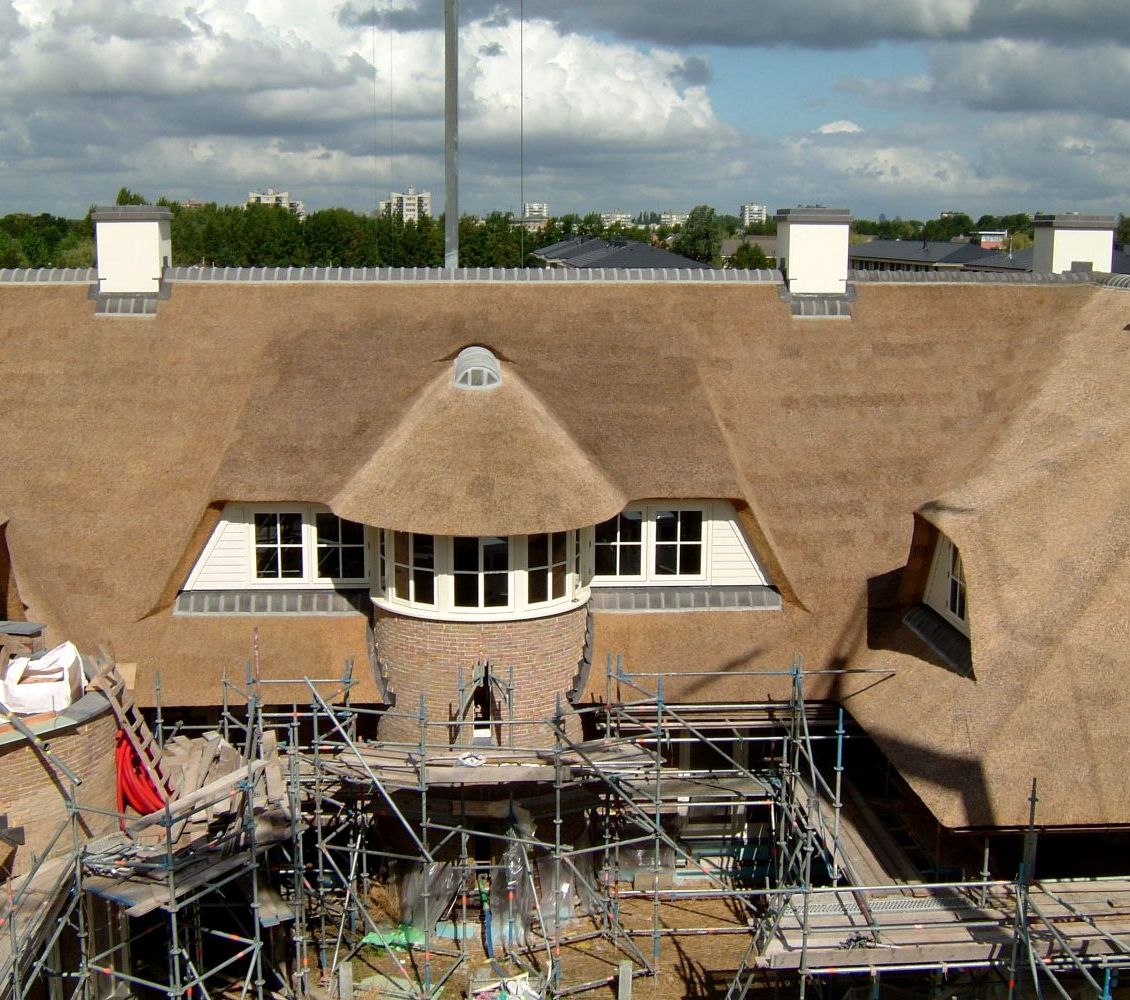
{"x": 388, "y": 541}
{"x": 569, "y": 561}
{"x": 480, "y": 577}
{"x": 937, "y": 594}
{"x": 309, "y": 579}
{"x": 518, "y": 606}
{"x": 649, "y": 577}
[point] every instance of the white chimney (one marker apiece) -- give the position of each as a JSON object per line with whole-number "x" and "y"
{"x": 812, "y": 249}
{"x": 134, "y": 248}
{"x": 1073, "y": 242}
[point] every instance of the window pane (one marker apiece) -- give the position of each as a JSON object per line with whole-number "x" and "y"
{"x": 496, "y": 590}
{"x": 400, "y": 582}
{"x": 538, "y": 551}
{"x": 631, "y": 526}
{"x": 266, "y": 532}
{"x": 466, "y": 551}
{"x": 400, "y": 548}
{"x": 538, "y": 581}
{"x": 425, "y": 586}
{"x": 691, "y": 526}
{"x": 352, "y": 562}
{"x": 290, "y": 528}
{"x": 291, "y": 562}
{"x": 559, "y": 546}
{"x": 606, "y": 531}
{"x": 267, "y": 563}
{"x": 466, "y": 590}
{"x": 666, "y": 560}
{"x": 691, "y": 561}
{"x": 328, "y": 562}
{"x": 423, "y": 551}
{"x": 666, "y": 526}
{"x": 496, "y": 555}
{"x": 559, "y": 580}
{"x": 630, "y": 560}
{"x": 327, "y": 525}
{"x": 352, "y": 533}
{"x": 605, "y": 556}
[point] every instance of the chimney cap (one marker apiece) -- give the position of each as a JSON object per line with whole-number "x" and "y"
{"x": 1074, "y": 220}
{"x": 815, "y": 215}
{"x": 131, "y": 213}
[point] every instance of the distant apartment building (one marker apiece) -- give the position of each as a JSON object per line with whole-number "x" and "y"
{"x": 751, "y": 215}
{"x": 616, "y": 218}
{"x": 410, "y": 205}
{"x": 535, "y": 210}
{"x": 673, "y": 218}
{"x": 280, "y": 199}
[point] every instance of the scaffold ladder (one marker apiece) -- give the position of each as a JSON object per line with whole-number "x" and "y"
{"x": 110, "y": 682}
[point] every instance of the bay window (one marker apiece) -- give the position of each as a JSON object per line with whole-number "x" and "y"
{"x": 487, "y": 578}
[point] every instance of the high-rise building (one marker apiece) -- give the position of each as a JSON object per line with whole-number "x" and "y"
{"x": 281, "y": 199}
{"x": 410, "y": 205}
{"x": 751, "y": 215}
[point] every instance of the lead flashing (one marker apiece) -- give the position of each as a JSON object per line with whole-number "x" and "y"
{"x": 131, "y": 213}
{"x": 1073, "y": 220}
{"x": 817, "y": 216}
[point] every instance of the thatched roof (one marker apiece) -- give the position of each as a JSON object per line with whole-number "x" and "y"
{"x": 123, "y": 435}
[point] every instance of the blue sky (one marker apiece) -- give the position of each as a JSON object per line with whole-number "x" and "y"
{"x": 902, "y": 107}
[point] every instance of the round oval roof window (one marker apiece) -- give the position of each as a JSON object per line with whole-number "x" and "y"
{"x": 477, "y": 368}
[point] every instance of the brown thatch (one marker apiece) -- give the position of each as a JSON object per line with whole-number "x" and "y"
{"x": 478, "y": 463}
{"x": 122, "y": 433}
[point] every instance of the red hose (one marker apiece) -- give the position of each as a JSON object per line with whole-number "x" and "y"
{"x": 135, "y": 787}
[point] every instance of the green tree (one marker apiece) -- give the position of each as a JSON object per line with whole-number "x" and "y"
{"x": 1122, "y": 233}
{"x": 10, "y": 253}
{"x": 957, "y": 224}
{"x": 701, "y": 236}
{"x": 128, "y": 197}
{"x": 749, "y": 255}
{"x": 337, "y": 236}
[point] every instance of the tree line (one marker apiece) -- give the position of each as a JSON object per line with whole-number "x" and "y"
{"x": 266, "y": 235}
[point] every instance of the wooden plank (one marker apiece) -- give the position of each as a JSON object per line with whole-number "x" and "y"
{"x": 194, "y": 801}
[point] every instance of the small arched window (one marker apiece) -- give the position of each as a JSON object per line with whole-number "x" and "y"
{"x": 477, "y": 368}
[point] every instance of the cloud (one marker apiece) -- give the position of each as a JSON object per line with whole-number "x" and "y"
{"x": 844, "y": 24}
{"x": 1010, "y": 76}
{"x": 841, "y": 125}
{"x": 227, "y": 95}
{"x": 694, "y": 71}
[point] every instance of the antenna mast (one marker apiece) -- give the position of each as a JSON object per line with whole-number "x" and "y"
{"x": 451, "y": 132}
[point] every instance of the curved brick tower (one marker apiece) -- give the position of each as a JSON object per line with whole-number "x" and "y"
{"x": 424, "y": 657}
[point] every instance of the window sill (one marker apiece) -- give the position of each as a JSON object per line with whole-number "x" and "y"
{"x": 942, "y": 637}
{"x": 272, "y": 602}
{"x": 483, "y": 614}
{"x": 651, "y": 598}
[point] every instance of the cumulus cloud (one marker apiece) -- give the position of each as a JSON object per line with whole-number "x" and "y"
{"x": 232, "y": 94}
{"x": 841, "y": 125}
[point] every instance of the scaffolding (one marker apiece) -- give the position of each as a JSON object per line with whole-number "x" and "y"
{"x": 554, "y": 857}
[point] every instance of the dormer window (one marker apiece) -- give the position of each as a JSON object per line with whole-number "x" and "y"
{"x": 945, "y": 589}
{"x": 957, "y": 584}
{"x": 477, "y": 368}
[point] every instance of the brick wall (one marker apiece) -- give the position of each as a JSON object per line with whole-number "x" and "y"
{"x": 31, "y": 791}
{"x": 424, "y": 657}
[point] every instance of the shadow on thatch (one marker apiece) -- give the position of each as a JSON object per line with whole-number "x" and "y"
{"x": 885, "y": 627}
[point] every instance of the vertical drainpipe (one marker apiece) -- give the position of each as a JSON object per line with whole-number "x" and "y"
{"x": 451, "y": 132}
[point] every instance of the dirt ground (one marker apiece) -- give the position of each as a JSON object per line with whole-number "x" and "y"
{"x": 697, "y": 963}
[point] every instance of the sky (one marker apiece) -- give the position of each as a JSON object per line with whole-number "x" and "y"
{"x": 897, "y": 107}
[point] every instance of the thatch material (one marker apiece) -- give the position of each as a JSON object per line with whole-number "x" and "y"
{"x": 832, "y": 433}
{"x": 479, "y": 463}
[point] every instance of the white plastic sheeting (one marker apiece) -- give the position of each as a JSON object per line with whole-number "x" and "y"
{"x": 45, "y": 682}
